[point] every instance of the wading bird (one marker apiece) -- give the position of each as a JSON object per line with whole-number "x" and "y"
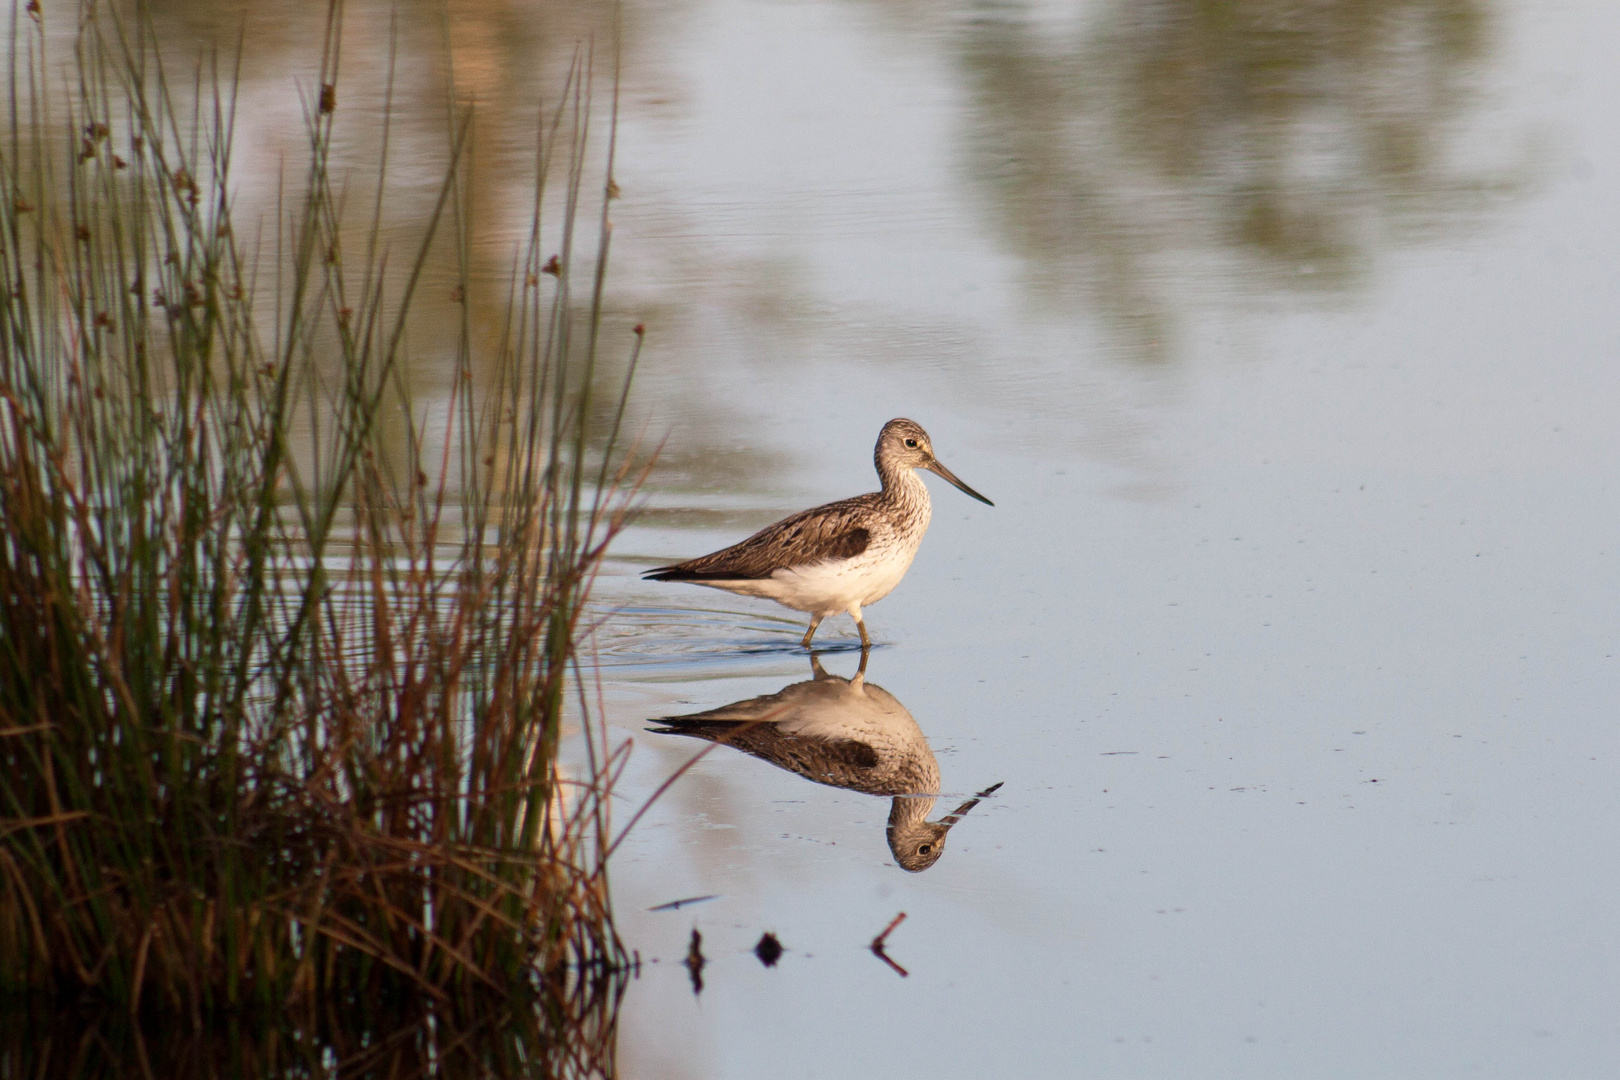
{"x": 837, "y": 557}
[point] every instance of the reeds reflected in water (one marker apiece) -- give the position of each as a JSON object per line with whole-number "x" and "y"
{"x": 515, "y": 1038}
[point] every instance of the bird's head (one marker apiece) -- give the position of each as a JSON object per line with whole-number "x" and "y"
{"x": 904, "y": 444}
{"x": 917, "y": 845}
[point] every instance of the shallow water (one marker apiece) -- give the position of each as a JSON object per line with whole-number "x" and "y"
{"x": 1287, "y": 352}
{"x": 1284, "y": 338}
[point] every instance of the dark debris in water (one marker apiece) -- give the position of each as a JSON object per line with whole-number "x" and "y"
{"x": 695, "y": 961}
{"x": 769, "y": 950}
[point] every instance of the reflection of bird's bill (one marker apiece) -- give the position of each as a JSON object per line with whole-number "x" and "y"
{"x": 937, "y": 469}
{"x": 961, "y": 811}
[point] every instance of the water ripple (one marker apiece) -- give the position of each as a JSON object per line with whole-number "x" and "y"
{"x": 677, "y": 640}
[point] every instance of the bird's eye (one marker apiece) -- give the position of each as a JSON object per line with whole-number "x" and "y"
{"x": 925, "y": 849}
{"x": 912, "y": 443}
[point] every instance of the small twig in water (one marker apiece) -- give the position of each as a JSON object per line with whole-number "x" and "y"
{"x": 676, "y": 905}
{"x": 877, "y": 945}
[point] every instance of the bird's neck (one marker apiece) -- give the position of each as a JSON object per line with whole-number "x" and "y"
{"x": 904, "y": 487}
{"x": 909, "y": 810}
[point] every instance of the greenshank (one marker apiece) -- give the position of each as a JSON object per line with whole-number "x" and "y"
{"x": 845, "y": 733}
{"x": 841, "y": 556}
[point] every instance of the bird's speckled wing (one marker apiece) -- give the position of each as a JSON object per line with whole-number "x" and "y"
{"x": 828, "y": 730}
{"x": 843, "y": 763}
{"x": 840, "y": 530}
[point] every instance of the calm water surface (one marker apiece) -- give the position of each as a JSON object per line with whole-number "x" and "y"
{"x": 1284, "y": 336}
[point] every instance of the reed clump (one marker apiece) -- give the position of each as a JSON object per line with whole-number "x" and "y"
{"x": 283, "y": 665}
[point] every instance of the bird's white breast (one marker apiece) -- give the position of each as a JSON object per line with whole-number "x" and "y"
{"x": 835, "y": 585}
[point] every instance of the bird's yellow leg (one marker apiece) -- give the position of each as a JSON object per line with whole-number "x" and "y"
{"x": 860, "y": 624}
{"x": 815, "y": 621}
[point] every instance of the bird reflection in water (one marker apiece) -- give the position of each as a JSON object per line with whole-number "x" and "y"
{"x": 845, "y": 733}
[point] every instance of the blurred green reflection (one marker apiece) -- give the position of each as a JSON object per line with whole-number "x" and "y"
{"x": 1273, "y": 143}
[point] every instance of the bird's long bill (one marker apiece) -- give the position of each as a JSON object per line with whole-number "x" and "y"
{"x": 937, "y": 469}
{"x": 961, "y": 811}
